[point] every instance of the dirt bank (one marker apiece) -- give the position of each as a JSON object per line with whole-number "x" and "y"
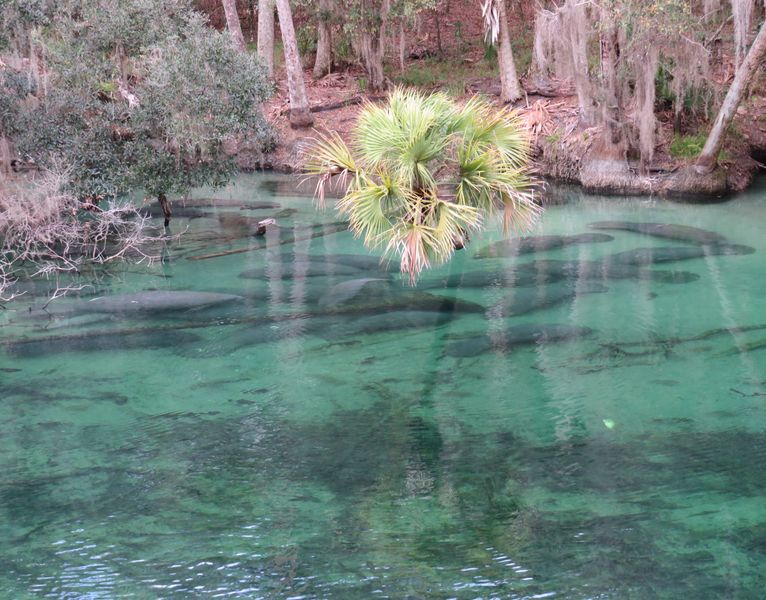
{"x": 564, "y": 150}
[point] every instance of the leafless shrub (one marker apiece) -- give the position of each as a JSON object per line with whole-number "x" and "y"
{"x": 45, "y": 231}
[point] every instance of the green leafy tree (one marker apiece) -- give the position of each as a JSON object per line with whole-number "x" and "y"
{"x": 423, "y": 172}
{"x": 140, "y": 94}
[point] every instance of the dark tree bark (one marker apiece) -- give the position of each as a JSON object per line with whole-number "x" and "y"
{"x": 165, "y": 206}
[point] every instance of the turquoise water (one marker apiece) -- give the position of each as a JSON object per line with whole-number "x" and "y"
{"x": 314, "y": 438}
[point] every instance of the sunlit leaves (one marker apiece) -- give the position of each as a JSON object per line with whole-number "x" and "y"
{"x": 423, "y": 173}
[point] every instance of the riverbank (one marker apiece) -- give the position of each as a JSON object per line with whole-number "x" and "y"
{"x": 564, "y": 150}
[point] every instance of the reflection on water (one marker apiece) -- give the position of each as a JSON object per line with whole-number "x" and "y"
{"x": 579, "y": 414}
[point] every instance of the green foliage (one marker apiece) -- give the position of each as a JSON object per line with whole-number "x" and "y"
{"x": 452, "y": 75}
{"x": 143, "y": 95}
{"x": 687, "y": 146}
{"x": 553, "y": 138}
{"x": 307, "y": 40}
{"x": 423, "y": 172}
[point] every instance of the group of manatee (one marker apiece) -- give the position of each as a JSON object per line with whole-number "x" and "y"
{"x": 371, "y": 300}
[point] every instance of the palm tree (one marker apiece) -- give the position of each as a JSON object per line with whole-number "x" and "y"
{"x": 425, "y": 172}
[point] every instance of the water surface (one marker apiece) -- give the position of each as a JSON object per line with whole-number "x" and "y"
{"x": 322, "y": 437}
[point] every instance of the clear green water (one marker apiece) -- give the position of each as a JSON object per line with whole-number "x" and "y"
{"x": 329, "y": 463}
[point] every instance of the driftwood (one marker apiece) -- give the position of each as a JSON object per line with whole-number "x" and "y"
{"x": 344, "y": 103}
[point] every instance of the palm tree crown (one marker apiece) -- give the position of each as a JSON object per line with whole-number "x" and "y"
{"x": 425, "y": 172}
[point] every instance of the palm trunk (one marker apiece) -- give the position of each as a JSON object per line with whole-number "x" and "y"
{"x": 709, "y": 157}
{"x": 510, "y": 89}
{"x": 300, "y": 116}
{"x": 233, "y": 25}
{"x": 323, "y": 62}
{"x": 266, "y": 34}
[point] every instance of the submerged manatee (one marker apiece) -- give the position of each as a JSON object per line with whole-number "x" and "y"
{"x": 98, "y": 342}
{"x": 680, "y": 233}
{"x": 541, "y": 243}
{"x": 512, "y": 337}
{"x": 364, "y": 287}
{"x": 384, "y": 322}
{"x": 359, "y": 261}
{"x": 153, "y": 301}
{"x": 372, "y": 296}
{"x": 601, "y": 270}
{"x": 525, "y": 300}
{"x": 245, "y": 336}
{"x": 650, "y": 256}
{"x": 294, "y": 270}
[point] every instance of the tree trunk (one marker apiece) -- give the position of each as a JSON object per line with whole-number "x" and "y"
{"x": 323, "y": 62}
{"x": 709, "y": 157}
{"x": 266, "y": 34}
{"x": 510, "y": 89}
{"x": 610, "y": 55}
{"x": 165, "y": 206}
{"x": 372, "y": 46}
{"x": 299, "y": 104}
{"x": 402, "y": 45}
{"x": 232, "y": 23}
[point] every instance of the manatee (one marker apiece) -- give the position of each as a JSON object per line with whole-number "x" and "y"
{"x": 525, "y": 300}
{"x": 649, "y": 256}
{"x": 238, "y": 225}
{"x": 245, "y": 336}
{"x": 529, "y": 245}
{"x": 680, "y": 233}
{"x": 153, "y": 301}
{"x": 355, "y": 288}
{"x": 600, "y": 270}
{"x": 384, "y": 322}
{"x": 512, "y": 337}
{"x": 359, "y": 261}
{"x": 371, "y": 296}
{"x": 292, "y": 270}
{"x": 507, "y": 278}
{"x": 668, "y": 276}
{"x": 98, "y": 342}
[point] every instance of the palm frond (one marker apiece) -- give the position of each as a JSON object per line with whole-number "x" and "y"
{"x": 411, "y": 242}
{"x": 379, "y": 134}
{"x": 328, "y": 157}
{"x": 428, "y": 173}
{"x": 520, "y": 212}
